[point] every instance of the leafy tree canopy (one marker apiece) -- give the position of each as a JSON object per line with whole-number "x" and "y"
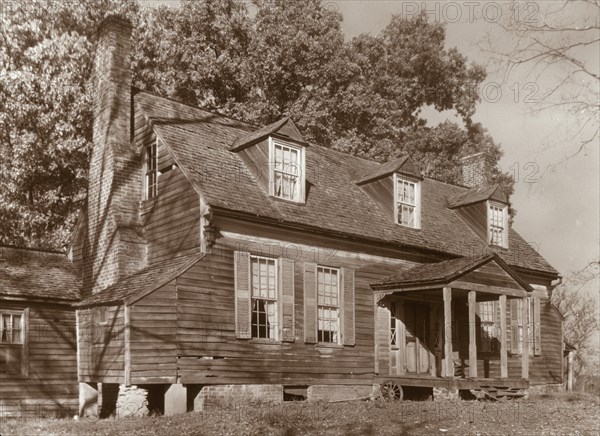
{"x": 362, "y": 96}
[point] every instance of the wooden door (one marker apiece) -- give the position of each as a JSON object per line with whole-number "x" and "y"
{"x": 417, "y": 337}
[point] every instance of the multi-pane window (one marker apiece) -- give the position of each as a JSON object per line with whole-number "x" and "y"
{"x": 488, "y": 329}
{"x": 394, "y": 325}
{"x": 10, "y": 328}
{"x": 287, "y": 172}
{"x": 497, "y": 219}
{"x": 328, "y": 305}
{"x": 264, "y": 297}
{"x": 151, "y": 173}
{"x": 407, "y": 202}
{"x": 11, "y": 342}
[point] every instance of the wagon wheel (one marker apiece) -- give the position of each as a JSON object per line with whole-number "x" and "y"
{"x": 391, "y": 391}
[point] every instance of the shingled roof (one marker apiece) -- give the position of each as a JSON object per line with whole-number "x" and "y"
{"x": 147, "y": 280}
{"x": 200, "y": 142}
{"x": 443, "y": 272}
{"x": 403, "y": 165}
{"x": 37, "y": 275}
{"x": 476, "y": 195}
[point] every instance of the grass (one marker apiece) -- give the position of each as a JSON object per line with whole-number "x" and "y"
{"x": 557, "y": 414}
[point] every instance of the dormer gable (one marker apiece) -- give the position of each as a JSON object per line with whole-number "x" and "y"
{"x": 275, "y": 156}
{"x": 485, "y": 210}
{"x": 396, "y": 188}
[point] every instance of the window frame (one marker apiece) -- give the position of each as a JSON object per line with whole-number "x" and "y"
{"x": 147, "y": 194}
{"x": 491, "y": 350}
{"x": 417, "y": 206}
{"x": 23, "y": 345}
{"x": 273, "y": 143}
{"x": 503, "y": 208}
{"x": 276, "y": 302}
{"x": 338, "y": 307}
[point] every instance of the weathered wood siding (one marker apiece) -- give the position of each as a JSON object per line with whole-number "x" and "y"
{"x": 210, "y": 353}
{"x": 153, "y": 341}
{"x": 172, "y": 218}
{"x": 51, "y": 380}
{"x": 101, "y": 346}
{"x": 382, "y": 192}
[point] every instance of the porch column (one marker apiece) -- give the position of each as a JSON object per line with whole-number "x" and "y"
{"x": 503, "y": 346}
{"x": 472, "y": 335}
{"x": 449, "y": 364}
{"x": 525, "y": 340}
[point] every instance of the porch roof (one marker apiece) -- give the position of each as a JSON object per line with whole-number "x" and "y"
{"x": 131, "y": 288}
{"x": 443, "y": 273}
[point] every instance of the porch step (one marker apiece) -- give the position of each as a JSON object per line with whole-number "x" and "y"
{"x": 497, "y": 392}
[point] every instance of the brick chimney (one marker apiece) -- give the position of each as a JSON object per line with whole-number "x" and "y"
{"x": 114, "y": 246}
{"x": 476, "y": 170}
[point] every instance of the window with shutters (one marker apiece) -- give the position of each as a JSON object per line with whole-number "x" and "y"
{"x": 407, "y": 202}
{"x": 150, "y": 165}
{"x": 287, "y": 173}
{"x": 264, "y": 316}
{"x": 12, "y": 342}
{"x": 328, "y": 305}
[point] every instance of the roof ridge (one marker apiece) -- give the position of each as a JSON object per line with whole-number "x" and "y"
{"x": 40, "y": 250}
{"x": 142, "y": 91}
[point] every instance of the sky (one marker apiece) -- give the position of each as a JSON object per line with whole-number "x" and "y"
{"x": 557, "y": 200}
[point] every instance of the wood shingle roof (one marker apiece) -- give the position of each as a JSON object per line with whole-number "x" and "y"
{"x": 201, "y": 142}
{"x": 37, "y": 275}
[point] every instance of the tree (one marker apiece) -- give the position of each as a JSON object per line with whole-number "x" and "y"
{"x": 46, "y": 117}
{"x": 362, "y": 96}
{"x": 580, "y": 310}
{"x": 554, "y": 44}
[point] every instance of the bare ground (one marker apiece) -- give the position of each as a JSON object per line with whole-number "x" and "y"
{"x": 558, "y": 414}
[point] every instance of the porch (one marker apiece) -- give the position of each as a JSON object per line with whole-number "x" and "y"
{"x": 447, "y": 325}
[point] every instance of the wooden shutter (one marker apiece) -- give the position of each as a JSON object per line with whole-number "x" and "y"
{"x": 243, "y": 328}
{"x": 286, "y": 278}
{"x": 514, "y": 326}
{"x": 537, "y": 326}
{"x": 25, "y": 335}
{"x": 347, "y": 311}
{"x": 310, "y": 302}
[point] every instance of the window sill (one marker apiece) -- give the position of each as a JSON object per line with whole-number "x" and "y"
{"x": 265, "y": 341}
{"x": 328, "y": 345}
{"x": 286, "y": 201}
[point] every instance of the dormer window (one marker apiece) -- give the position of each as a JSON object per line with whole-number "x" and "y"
{"x": 287, "y": 171}
{"x": 408, "y": 201}
{"x": 151, "y": 173}
{"x": 498, "y": 224}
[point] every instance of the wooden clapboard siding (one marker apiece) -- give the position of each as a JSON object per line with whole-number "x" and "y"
{"x": 256, "y": 160}
{"x": 101, "y": 354}
{"x": 209, "y": 351}
{"x": 153, "y": 331}
{"x": 51, "y": 379}
{"x": 546, "y": 368}
{"x": 382, "y": 192}
{"x": 172, "y": 218}
{"x": 491, "y": 274}
{"x": 476, "y": 216}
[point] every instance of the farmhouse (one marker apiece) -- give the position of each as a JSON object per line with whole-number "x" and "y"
{"x": 38, "y": 346}
{"x": 223, "y": 260}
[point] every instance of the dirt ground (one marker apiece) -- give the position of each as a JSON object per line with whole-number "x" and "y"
{"x": 559, "y": 414}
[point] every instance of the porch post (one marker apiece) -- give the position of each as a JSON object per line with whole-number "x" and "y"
{"x": 448, "y": 332}
{"x": 503, "y": 346}
{"x": 525, "y": 340}
{"x": 472, "y": 335}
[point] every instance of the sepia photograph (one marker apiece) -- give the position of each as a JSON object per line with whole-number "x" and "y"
{"x": 300, "y": 217}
